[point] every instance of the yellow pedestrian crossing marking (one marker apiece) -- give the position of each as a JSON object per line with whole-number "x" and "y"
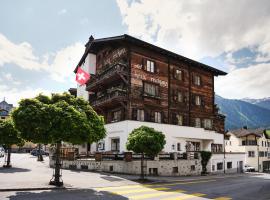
{"x": 154, "y": 185}
{"x": 223, "y": 198}
{"x": 138, "y": 190}
{"x": 186, "y": 196}
{"x": 156, "y": 194}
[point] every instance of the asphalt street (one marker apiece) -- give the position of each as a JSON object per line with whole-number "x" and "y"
{"x": 89, "y": 185}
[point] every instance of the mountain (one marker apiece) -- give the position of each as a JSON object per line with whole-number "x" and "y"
{"x": 241, "y": 113}
{"x": 264, "y": 103}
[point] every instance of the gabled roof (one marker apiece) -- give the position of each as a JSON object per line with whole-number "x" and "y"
{"x": 245, "y": 132}
{"x": 92, "y": 42}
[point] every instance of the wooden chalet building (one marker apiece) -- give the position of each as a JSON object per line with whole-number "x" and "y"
{"x": 135, "y": 80}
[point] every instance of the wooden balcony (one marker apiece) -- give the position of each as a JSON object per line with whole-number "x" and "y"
{"x": 114, "y": 97}
{"x": 107, "y": 76}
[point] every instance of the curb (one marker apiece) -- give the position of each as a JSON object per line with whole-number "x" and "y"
{"x": 33, "y": 189}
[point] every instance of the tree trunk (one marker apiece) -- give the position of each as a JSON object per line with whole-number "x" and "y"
{"x": 57, "y": 176}
{"x": 8, "y": 165}
{"x": 142, "y": 166}
{"x": 40, "y": 157}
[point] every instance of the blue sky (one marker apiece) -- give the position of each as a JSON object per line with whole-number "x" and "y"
{"x": 42, "y": 41}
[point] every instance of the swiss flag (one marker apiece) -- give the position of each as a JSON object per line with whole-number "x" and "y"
{"x": 82, "y": 76}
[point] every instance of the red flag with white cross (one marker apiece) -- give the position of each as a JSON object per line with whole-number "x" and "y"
{"x": 82, "y": 76}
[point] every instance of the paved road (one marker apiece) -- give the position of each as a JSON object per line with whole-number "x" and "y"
{"x": 87, "y": 185}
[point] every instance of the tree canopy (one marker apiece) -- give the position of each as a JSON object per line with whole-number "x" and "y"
{"x": 146, "y": 140}
{"x": 61, "y": 117}
{"x": 9, "y": 135}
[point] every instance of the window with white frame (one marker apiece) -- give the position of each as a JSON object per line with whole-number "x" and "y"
{"x": 115, "y": 144}
{"x": 180, "y": 97}
{"x": 151, "y": 89}
{"x": 208, "y": 123}
{"x": 197, "y": 122}
{"x": 157, "y": 117}
{"x": 178, "y": 74}
{"x": 116, "y": 116}
{"x": 251, "y": 154}
{"x": 198, "y": 100}
{"x": 140, "y": 115}
{"x": 197, "y": 80}
{"x": 179, "y": 119}
{"x": 150, "y": 66}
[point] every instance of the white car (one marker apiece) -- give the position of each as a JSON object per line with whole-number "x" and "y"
{"x": 248, "y": 168}
{"x": 2, "y": 152}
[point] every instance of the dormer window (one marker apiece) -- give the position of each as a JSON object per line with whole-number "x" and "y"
{"x": 150, "y": 66}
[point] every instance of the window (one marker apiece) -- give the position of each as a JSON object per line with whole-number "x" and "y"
{"x": 216, "y": 148}
{"x": 115, "y": 144}
{"x": 150, "y": 66}
{"x": 178, "y": 74}
{"x": 151, "y": 89}
{"x": 262, "y": 143}
{"x": 219, "y": 166}
{"x": 192, "y": 167}
{"x": 116, "y": 116}
{"x": 157, "y": 117}
{"x": 178, "y": 146}
{"x": 193, "y": 146}
{"x": 213, "y": 168}
{"x": 208, "y": 123}
{"x": 198, "y": 100}
{"x": 179, "y": 96}
{"x": 140, "y": 115}
{"x": 261, "y": 153}
{"x": 251, "y": 154}
{"x": 175, "y": 169}
{"x": 229, "y": 165}
{"x": 265, "y": 154}
{"x": 179, "y": 119}
{"x": 197, "y": 80}
{"x": 198, "y": 122}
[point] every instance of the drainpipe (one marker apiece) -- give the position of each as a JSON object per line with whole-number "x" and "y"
{"x": 258, "y": 154}
{"x": 224, "y": 153}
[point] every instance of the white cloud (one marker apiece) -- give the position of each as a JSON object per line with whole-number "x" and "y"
{"x": 252, "y": 82}
{"x": 198, "y": 28}
{"x": 62, "y": 12}
{"x": 13, "y": 95}
{"x": 60, "y": 69}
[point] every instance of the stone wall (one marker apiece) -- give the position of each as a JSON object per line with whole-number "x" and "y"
{"x": 152, "y": 167}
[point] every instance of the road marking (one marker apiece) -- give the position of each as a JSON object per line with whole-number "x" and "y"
{"x": 156, "y": 194}
{"x": 223, "y": 198}
{"x": 182, "y": 183}
{"x": 188, "y": 196}
{"x": 139, "y": 190}
{"x": 152, "y": 185}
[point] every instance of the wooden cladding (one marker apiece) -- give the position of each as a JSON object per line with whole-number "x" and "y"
{"x": 159, "y": 89}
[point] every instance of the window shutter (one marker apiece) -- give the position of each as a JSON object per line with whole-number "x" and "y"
{"x": 143, "y": 64}
{"x": 193, "y": 99}
{"x": 134, "y": 114}
{"x": 202, "y": 102}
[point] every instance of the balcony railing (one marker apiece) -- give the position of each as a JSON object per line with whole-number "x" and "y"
{"x": 117, "y": 93}
{"x": 106, "y": 74}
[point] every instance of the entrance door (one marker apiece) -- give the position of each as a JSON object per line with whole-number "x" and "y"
{"x": 240, "y": 166}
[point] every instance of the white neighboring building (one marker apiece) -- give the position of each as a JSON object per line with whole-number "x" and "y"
{"x": 255, "y": 143}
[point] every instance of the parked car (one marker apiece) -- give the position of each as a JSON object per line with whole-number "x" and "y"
{"x": 248, "y": 168}
{"x": 36, "y": 152}
{"x": 2, "y": 152}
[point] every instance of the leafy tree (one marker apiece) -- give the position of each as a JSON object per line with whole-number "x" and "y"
{"x": 205, "y": 157}
{"x": 56, "y": 119}
{"x": 147, "y": 141}
{"x": 9, "y": 135}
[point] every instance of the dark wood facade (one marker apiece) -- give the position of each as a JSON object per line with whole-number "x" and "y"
{"x": 138, "y": 81}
